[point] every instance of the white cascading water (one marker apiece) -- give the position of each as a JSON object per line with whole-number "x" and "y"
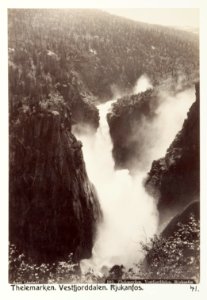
{"x": 129, "y": 213}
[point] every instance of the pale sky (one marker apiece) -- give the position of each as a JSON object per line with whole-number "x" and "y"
{"x": 181, "y": 17}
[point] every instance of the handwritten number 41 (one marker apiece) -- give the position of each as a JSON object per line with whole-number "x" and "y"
{"x": 194, "y": 288}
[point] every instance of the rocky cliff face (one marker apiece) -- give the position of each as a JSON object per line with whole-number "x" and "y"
{"x": 126, "y": 122}
{"x": 53, "y": 207}
{"x": 174, "y": 179}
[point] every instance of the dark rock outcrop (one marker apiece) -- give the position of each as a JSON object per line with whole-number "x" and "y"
{"x": 174, "y": 179}
{"x": 54, "y": 208}
{"x": 126, "y": 121}
{"x": 182, "y": 218}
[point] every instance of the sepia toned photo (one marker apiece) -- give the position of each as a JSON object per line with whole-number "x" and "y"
{"x": 104, "y": 147}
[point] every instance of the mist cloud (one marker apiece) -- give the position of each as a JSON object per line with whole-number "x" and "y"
{"x": 143, "y": 83}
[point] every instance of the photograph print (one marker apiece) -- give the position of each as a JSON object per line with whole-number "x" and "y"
{"x": 104, "y": 169}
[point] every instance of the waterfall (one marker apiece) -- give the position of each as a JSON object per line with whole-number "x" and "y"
{"x": 130, "y": 214}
